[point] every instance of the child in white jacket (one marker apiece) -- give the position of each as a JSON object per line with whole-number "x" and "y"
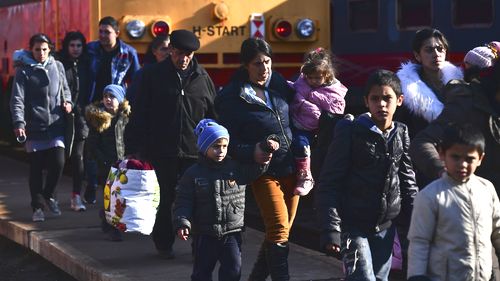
{"x": 456, "y": 219}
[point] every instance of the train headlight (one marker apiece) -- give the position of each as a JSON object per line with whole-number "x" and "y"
{"x": 282, "y": 29}
{"x": 305, "y": 28}
{"x": 160, "y": 27}
{"x": 135, "y": 28}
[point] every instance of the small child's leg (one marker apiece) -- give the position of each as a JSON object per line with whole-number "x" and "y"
{"x": 230, "y": 258}
{"x": 206, "y": 255}
{"x": 302, "y": 152}
{"x": 305, "y": 181}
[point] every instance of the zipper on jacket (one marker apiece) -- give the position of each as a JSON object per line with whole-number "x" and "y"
{"x": 474, "y": 223}
{"x": 277, "y": 117}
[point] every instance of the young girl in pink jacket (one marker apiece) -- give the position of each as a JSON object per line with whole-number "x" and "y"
{"x": 317, "y": 90}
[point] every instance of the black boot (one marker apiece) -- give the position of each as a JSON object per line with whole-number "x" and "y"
{"x": 89, "y": 196}
{"x": 277, "y": 260}
{"x": 260, "y": 270}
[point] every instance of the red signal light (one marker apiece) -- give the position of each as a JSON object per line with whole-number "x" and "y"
{"x": 283, "y": 29}
{"x": 160, "y": 28}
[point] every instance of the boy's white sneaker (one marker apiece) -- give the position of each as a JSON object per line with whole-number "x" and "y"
{"x": 77, "y": 204}
{"x": 38, "y": 215}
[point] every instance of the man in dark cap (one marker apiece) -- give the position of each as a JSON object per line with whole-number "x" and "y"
{"x": 173, "y": 97}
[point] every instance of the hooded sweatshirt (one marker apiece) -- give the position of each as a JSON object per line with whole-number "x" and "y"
{"x": 36, "y": 102}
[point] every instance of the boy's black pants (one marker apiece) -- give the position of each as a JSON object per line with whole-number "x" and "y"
{"x": 226, "y": 250}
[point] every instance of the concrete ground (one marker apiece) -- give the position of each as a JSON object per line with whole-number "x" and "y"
{"x": 75, "y": 243}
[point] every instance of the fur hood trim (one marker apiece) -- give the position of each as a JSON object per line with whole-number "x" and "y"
{"x": 418, "y": 97}
{"x": 99, "y": 119}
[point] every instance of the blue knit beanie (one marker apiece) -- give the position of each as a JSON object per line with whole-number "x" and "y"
{"x": 208, "y": 131}
{"x": 116, "y": 90}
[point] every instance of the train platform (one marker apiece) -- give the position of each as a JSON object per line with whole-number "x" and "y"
{"x": 75, "y": 243}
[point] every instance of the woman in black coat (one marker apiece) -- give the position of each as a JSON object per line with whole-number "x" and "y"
{"x": 74, "y": 57}
{"x": 253, "y": 107}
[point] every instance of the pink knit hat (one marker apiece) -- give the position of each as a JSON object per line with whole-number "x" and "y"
{"x": 495, "y": 46}
{"x": 481, "y": 57}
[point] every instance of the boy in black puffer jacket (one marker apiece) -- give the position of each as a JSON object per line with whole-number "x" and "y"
{"x": 210, "y": 203}
{"x": 366, "y": 181}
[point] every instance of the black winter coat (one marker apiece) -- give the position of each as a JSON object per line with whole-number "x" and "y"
{"x": 105, "y": 143}
{"x": 366, "y": 179}
{"x": 78, "y": 77}
{"x": 165, "y": 114}
{"x": 250, "y": 122}
{"x": 210, "y": 196}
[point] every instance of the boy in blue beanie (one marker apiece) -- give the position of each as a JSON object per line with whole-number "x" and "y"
{"x": 107, "y": 120}
{"x": 210, "y": 203}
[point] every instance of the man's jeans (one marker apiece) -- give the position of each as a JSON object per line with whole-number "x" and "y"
{"x": 367, "y": 257}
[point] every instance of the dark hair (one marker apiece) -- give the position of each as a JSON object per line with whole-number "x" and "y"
{"x": 426, "y": 33}
{"x": 319, "y": 61}
{"x": 110, "y": 21}
{"x": 465, "y": 134}
{"x": 71, "y": 36}
{"x": 251, "y": 47}
{"x": 41, "y": 38}
{"x": 157, "y": 41}
{"x": 382, "y": 77}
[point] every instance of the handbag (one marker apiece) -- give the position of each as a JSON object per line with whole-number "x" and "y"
{"x": 69, "y": 132}
{"x": 131, "y": 196}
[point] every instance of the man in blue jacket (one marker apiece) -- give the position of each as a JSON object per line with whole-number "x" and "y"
{"x": 112, "y": 61}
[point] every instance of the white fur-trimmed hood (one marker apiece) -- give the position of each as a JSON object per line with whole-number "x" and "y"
{"x": 418, "y": 97}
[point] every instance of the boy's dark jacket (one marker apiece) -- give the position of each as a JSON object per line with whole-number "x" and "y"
{"x": 366, "y": 179}
{"x": 210, "y": 196}
{"x": 249, "y": 122}
{"x": 105, "y": 142}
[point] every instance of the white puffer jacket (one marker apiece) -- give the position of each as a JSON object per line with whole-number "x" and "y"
{"x": 453, "y": 228}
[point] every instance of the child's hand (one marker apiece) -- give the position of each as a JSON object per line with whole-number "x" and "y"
{"x": 67, "y": 107}
{"x": 269, "y": 145}
{"x": 183, "y": 233}
{"x": 260, "y": 156}
{"x": 273, "y": 145}
{"x": 333, "y": 250}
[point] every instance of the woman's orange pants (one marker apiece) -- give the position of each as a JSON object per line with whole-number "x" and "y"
{"x": 277, "y": 205}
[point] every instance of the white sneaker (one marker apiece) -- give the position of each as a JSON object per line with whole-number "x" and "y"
{"x": 77, "y": 204}
{"x": 38, "y": 215}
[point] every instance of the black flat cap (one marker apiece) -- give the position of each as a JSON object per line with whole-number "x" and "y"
{"x": 184, "y": 40}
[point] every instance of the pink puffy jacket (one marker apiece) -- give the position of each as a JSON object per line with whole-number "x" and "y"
{"x": 308, "y": 103}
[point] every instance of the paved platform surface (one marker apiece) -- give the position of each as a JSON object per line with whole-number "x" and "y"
{"x": 75, "y": 243}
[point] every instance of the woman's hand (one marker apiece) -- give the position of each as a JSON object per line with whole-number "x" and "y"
{"x": 67, "y": 107}
{"x": 20, "y": 133}
{"x": 260, "y": 156}
{"x": 183, "y": 233}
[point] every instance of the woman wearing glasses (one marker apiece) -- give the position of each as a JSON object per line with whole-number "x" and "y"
{"x": 423, "y": 80}
{"x": 76, "y": 63}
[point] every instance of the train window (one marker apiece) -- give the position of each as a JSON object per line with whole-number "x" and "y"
{"x": 363, "y": 15}
{"x": 414, "y": 14}
{"x": 468, "y": 13}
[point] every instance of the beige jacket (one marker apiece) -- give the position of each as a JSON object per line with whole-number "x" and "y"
{"x": 453, "y": 227}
